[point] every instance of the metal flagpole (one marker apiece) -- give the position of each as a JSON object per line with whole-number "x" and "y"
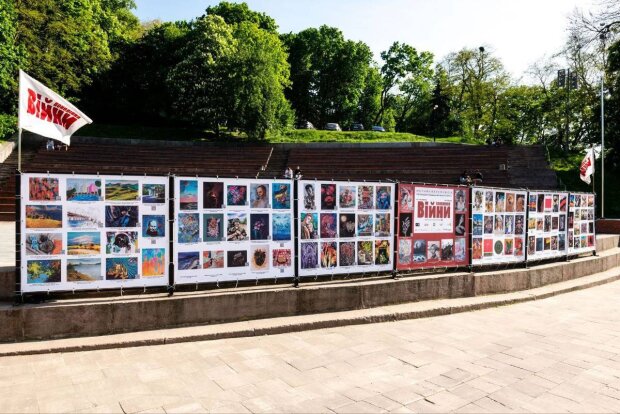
{"x": 19, "y": 150}
{"x": 603, "y": 145}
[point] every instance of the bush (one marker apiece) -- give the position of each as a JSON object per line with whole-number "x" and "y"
{"x": 8, "y": 126}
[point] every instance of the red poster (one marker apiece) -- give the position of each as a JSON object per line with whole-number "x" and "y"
{"x": 433, "y": 226}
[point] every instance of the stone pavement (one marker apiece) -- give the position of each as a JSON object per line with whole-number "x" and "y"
{"x": 7, "y": 243}
{"x": 560, "y": 354}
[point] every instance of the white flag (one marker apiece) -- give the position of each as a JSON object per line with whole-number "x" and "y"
{"x": 46, "y": 113}
{"x": 587, "y": 166}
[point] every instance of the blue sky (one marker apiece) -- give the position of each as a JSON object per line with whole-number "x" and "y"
{"x": 519, "y": 32}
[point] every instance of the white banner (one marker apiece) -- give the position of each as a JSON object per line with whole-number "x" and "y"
{"x": 93, "y": 232}
{"x": 498, "y": 225}
{"x": 581, "y": 228}
{"x": 433, "y": 211}
{"x": 546, "y": 225}
{"x": 46, "y": 113}
{"x": 232, "y": 229}
{"x": 345, "y": 227}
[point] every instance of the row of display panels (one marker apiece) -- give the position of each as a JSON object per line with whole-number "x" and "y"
{"x": 93, "y": 232}
{"x": 85, "y": 232}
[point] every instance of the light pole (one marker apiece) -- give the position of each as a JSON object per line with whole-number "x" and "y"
{"x": 603, "y": 36}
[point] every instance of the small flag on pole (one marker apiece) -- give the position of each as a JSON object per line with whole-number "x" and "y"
{"x": 46, "y": 113}
{"x": 587, "y": 166}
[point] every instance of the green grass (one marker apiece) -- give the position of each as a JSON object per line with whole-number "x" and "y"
{"x": 567, "y": 170}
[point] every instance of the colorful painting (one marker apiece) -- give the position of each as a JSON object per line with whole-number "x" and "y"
{"x": 121, "y": 242}
{"x": 213, "y": 227}
{"x": 83, "y": 189}
{"x": 476, "y": 246}
{"x": 83, "y": 243}
{"x": 365, "y": 197}
{"x": 122, "y": 190}
{"x": 329, "y": 255}
{"x": 189, "y": 228}
{"x": 382, "y": 252}
{"x": 84, "y": 217}
{"x": 347, "y": 254}
{"x": 237, "y": 227}
{"x": 382, "y": 224}
{"x": 406, "y": 198}
{"x": 347, "y": 225}
{"x": 121, "y": 268}
{"x": 329, "y": 225}
{"x": 384, "y": 198}
{"x": 121, "y": 216}
{"x": 259, "y": 195}
{"x": 477, "y": 224}
{"x": 43, "y": 189}
{"x": 189, "y": 260}
{"x": 237, "y": 195}
{"x": 43, "y": 217}
{"x": 153, "y": 193}
{"x": 309, "y": 225}
{"x": 309, "y": 256}
{"x": 153, "y": 262}
{"x": 259, "y": 227}
{"x": 153, "y": 225}
{"x": 510, "y": 202}
{"x": 477, "y": 204}
{"x": 328, "y": 196}
{"x": 212, "y": 195}
{"x": 259, "y": 258}
{"x": 347, "y": 196}
{"x": 281, "y": 226}
{"x": 213, "y": 259}
{"x": 281, "y": 258}
{"x": 281, "y": 196}
{"x": 43, "y": 244}
{"x": 84, "y": 270}
{"x": 237, "y": 258}
{"x": 43, "y": 271}
{"x": 365, "y": 253}
{"x": 188, "y": 194}
{"x": 364, "y": 224}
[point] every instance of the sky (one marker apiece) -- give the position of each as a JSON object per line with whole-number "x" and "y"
{"x": 518, "y": 32}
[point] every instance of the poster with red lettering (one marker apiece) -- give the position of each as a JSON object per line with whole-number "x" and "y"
{"x": 433, "y": 226}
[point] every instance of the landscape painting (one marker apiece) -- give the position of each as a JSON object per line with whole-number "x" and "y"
{"x": 84, "y": 270}
{"x": 153, "y": 193}
{"x": 122, "y": 190}
{"x": 83, "y": 189}
{"x": 43, "y": 271}
{"x": 83, "y": 243}
{"x": 43, "y": 217}
{"x": 84, "y": 216}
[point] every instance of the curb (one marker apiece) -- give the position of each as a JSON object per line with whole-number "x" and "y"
{"x": 301, "y": 323}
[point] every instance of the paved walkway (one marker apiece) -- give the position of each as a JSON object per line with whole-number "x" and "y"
{"x": 560, "y": 354}
{"x": 7, "y": 243}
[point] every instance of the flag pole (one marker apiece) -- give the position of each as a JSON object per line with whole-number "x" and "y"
{"x": 19, "y": 150}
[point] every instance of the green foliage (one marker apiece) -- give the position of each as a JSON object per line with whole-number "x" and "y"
{"x": 235, "y": 13}
{"x": 11, "y": 57}
{"x": 8, "y": 126}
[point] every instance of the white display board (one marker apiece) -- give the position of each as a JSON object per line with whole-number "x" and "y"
{"x": 581, "y": 228}
{"x": 546, "y": 225}
{"x": 345, "y": 227}
{"x": 93, "y": 232}
{"x": 498, "y": 225}
{"x": 232, "y": 229}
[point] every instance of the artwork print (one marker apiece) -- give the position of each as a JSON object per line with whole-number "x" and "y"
{"x": 237, "y": 227}
{"x": 328, "y": 196}
{"x": 365, "y": 253}
{"x": 477, "y": 204}
{"x": 84, "y": 270}
{"x": 188, "y": 194}
{"x": 43, "y": 244}
{"x": 382, "y": 252}
{"x": 43, "y": 271}
{"x": 121, "y": 268}
{"x": 153, "y": 262}
{"x": 309, "y": 197}
{"x": 259, "y": 195}
{"x": 212, "y": 195}
{"x": 121, "y": 242}
{"x": 329, "y": 225}
{"x": 382, "y": 225}
{"x": 43, "y": 189}
{"x": 259, "y": 258}
{"x": 419, "y": 250}
{"x": 406, "y": 198}
{"x": 237, "y": 195}
{"x": 83, "y": 243}
{"x": 84, "y": 217}
{"x": 459, "y": 201}
{"x": 281, "y": 196}
{"x": 404, "y": 251}
{"x": 405, "y": 225}
{"x": 237, "y": 258}
{"x": 365, "y": 197}
{"x": 153, "y": 193}
{"x": 364, "y": 224}
{"x": 213, "y": 259}
{"x": 213, "y": 227}
{"x": 153, "y": 225}
{"x": 347, "y": 254}
{"x": 309, "y": 255}
{"x": 329, "y": 255}
{"x": 122, "y": 190}
{"x": 281, "y": 226}
{"x": 309, "y": 225}
{"x": 43, "y": 217}
{"x": 384, "y": 198}
{"x": 121, "y": 216}
{"x": 281, "y": 258}
{"x": 347, "y": 196}
{"x": 188, "y": 228}
{"x": 83, "y": 189}
{"x": 188, "y": 260}
{"x": 259, "y": 226}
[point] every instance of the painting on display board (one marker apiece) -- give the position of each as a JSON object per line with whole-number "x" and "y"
{"x": 498, "y": 225}
{"x": 433, "y": 226}
{"x": 82, "y": 232}
{"x": 546, "y": 224}
{"x": 232, "y": 229}
{"x": 581, "y": 234}
{"x": 345, "y": 227}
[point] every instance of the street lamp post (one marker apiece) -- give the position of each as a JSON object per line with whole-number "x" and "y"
{"x": 603, "y": 37}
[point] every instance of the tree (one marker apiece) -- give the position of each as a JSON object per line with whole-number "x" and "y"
{"x": 235, "y": 13}
{"x": 370, "y": 100}
{"x": 200, "y": 84}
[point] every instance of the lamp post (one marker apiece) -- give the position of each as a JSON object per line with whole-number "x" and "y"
{"x": 603, "y": 36}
